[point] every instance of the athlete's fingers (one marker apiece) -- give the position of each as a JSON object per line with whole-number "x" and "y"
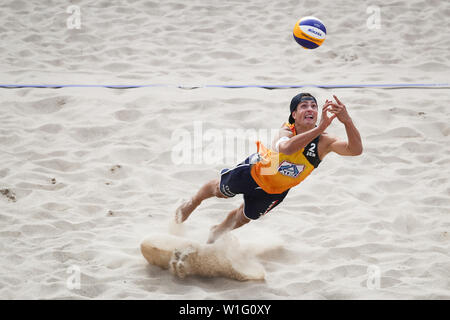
{"x": 334, "y": 105}
{"x": 337, "y": 100}
{"x": 332, "y": 115}
{"x": 325, "y": 109}
{"x": 335, "y": 113}
{"x": 324, "y": 116}
{"x": 336, "y": 108}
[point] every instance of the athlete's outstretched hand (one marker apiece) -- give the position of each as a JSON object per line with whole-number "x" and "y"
{"x": 340, "y": 110}
{"x": 326, "y": 120}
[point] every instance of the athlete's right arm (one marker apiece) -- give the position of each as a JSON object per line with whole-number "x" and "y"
{"x": 284, "y": 134}
{"x": 299, "y": 141}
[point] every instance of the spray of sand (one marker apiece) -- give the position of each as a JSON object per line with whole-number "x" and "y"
{"x": 185, "y": 254}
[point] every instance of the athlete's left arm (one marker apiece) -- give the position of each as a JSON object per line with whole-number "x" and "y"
{"x": 353, "y": 145}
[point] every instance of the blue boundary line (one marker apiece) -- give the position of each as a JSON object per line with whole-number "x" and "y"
{"x": 231, "y": 86}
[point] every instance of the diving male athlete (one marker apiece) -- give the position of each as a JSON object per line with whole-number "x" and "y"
{"x": 265, "y": 178}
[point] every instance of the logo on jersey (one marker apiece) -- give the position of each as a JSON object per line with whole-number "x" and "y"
{"x": 289, "y": 169}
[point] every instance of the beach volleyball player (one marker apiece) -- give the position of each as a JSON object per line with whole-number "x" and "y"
{"x": 265, "y": 178}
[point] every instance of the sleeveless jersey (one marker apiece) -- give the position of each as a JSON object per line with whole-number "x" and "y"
{"x": 276, "y": 172}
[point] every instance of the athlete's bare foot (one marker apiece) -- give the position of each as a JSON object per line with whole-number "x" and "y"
{"x": 185, "y": 210}
{"x": 208, "y": 190}
{"x": 214, "y": 234}
{"x": 235, "y": 219}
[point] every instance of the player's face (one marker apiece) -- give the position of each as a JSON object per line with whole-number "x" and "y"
{"x": 306, "y": 113}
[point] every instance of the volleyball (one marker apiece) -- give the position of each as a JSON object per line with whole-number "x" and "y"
{"x": 309, "y": 32}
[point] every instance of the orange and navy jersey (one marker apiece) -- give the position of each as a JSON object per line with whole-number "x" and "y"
{"x": 276, "y": 172}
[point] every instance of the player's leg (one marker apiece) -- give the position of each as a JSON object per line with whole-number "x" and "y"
{"x": 208, "y": 190}
{"x": 235, "y": 219}
{"x": 256, "y": 203}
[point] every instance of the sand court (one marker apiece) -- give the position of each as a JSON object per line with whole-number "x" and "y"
{"x": 88, "y": 173}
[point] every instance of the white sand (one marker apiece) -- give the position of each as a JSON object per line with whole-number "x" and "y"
{"x": 110, "y": 151}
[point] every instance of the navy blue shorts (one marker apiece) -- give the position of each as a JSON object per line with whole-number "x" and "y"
{"x": 238, "y": 180}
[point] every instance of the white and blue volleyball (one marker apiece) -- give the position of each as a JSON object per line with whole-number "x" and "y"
{"x": 309, "y": 32}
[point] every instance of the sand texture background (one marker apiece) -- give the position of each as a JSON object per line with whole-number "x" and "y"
{"x": 87, "y": 173}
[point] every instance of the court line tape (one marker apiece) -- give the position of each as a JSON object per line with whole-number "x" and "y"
{"x": 234, "y": 86}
